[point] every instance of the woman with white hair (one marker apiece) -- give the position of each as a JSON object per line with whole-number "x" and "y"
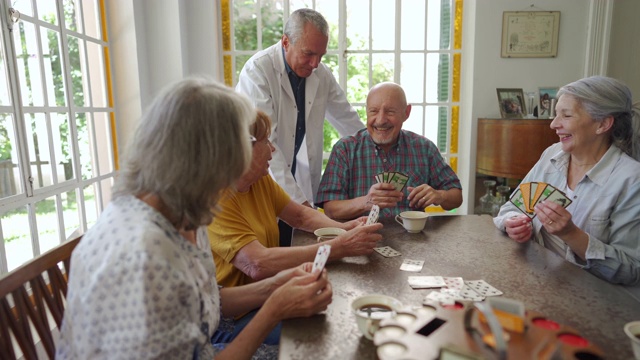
{"x": 596, "y": 164}
{"x": 142, "y": 282}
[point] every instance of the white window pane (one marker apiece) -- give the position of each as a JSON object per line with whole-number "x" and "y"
{"x": 437, "y": 78}
{"x": 23, "y": 7}
{"x": 17, "y": 237}
{"x": 27, "y": 57}
{"x": 431, "y": 124}
{"x": 413, "y": 24}
{"x": 47, "y": 11}
{"x": 411, "y": 75}
{"x": 90, "y": 204}
{"x": 70, "y": 213}
{"x": 97, "y": 75}
{"x": 299, "y": 4}
{"x": 272, "y": 25}
{"x": 383, "y": 22}
{"x": 62, "y": 146}
{"x": 245, "y": 24}
{"x": 358, "y": 82}
{"x": 4, "y": 81}
{"x": 72, "y": 18}
{"x": 78, "y": 79}
{"x": 91, "y": 15}
{"x": 415, "y": 121}
{"x": 103, "y": 142}
{"x": 358, "y": 24}
{"x": 10, "y": 182}
{"x": 383, "y": 66}
{"x": 82, "y": 127}
{"x": 47, "y": 223}
{"x": 39, "y": 154}
{"x": 438, "y": 25}
{"x": 53, "y": 74}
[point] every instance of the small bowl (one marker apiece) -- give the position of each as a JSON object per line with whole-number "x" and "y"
{"x": 328, "y": 233}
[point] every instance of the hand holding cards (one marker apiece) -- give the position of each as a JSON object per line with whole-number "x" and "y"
{"x": 398, "y": 179}
{"x": 528, "y": 195}
{"x": 321, "y": 258}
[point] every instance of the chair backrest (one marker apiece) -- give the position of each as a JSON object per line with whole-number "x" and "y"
{"x": 16, "y": 319}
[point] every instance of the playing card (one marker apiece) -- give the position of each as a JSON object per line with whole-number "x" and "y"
{"x": 559, "y": 198}
{"x": 387, "y": 251}
{"x": 525, "y": 188}
{"x": 483, "y": 288}
{"x": 435, "y": 297}
{"x": 517, "y": 200}
{"x": 545, "y": 193}
{"x": 454, "y": 283}
{"x": 399, "y": 180}
{"x": 321, "y": 258}
{"x": 467, "y": 293}
{"x": 411, "y": 265}
{"x": 426, "y": 282}
{"x": 535, "y": 195}
{"x": 373, "y": 214}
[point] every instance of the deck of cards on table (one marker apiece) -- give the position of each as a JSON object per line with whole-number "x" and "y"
{"x": 529, "y": 194}
{"x": 398, "y": 179}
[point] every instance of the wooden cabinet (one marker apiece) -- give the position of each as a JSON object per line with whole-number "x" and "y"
{"x": 510, "y": 147}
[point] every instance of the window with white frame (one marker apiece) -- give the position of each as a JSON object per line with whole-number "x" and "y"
{"x": 57, "y": 125}
{"x": 414, "y": 43}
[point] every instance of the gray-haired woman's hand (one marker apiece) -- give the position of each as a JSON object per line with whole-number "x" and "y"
{"x": 301, "y": 296}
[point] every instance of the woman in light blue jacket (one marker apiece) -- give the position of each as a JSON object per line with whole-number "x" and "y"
{"x": 595, "y": 164}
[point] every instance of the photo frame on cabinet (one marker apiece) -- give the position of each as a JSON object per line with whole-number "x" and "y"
{"x": 547, "y": 96}
{"x": 530, "y": 34}
{"x": 511, "y": 103}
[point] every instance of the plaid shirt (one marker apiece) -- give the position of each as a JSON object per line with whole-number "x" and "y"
{"x": 356, "y": 160}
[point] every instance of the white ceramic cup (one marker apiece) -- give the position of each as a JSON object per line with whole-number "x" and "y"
{"x": 632, "y": 329}
{"x": 328, "y": 233}
{"x": 370, "y": 310}
{"x": 412, "y": 221}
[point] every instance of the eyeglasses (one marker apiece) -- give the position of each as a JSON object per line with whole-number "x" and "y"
{"x": 252, "y": 139}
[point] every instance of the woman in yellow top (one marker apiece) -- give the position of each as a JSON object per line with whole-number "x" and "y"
{"x": 244, "y": 234}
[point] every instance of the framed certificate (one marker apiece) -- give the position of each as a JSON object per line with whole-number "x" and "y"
{"x": 530, "y": 34}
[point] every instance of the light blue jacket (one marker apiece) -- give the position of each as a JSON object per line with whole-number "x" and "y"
{"x": 606, "y": 205}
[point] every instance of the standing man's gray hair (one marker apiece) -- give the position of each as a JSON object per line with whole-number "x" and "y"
{"x": 299, "y": 18}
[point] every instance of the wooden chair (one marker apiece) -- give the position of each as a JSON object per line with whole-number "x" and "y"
{"x": 16, "y": 319}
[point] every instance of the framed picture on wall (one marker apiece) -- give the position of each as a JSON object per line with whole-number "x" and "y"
{"x": 527, "y": 34}
{"x": 511, "y": 103}
{"x": 547, "y": 99}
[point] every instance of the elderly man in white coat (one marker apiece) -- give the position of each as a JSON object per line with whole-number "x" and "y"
{"x": 298, "y": 94}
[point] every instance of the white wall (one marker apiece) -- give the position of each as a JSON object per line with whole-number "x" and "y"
{"x": 155, "y": 43}
{"x": 624, "y": 50}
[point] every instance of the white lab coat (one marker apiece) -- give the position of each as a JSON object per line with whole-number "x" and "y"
{"x": 265, "y": 81}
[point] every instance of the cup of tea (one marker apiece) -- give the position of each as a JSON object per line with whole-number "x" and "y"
{"x": 328, "y": 233}
{"x": 412, "y": 221}
{"x": 632, "y": 329}
{"x": 370, "y": 310}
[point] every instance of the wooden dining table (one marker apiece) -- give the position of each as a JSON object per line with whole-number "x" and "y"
{"x": 471, "y": 247}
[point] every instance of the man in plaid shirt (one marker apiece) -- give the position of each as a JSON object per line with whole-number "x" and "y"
{"x": 348, "y": 188}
